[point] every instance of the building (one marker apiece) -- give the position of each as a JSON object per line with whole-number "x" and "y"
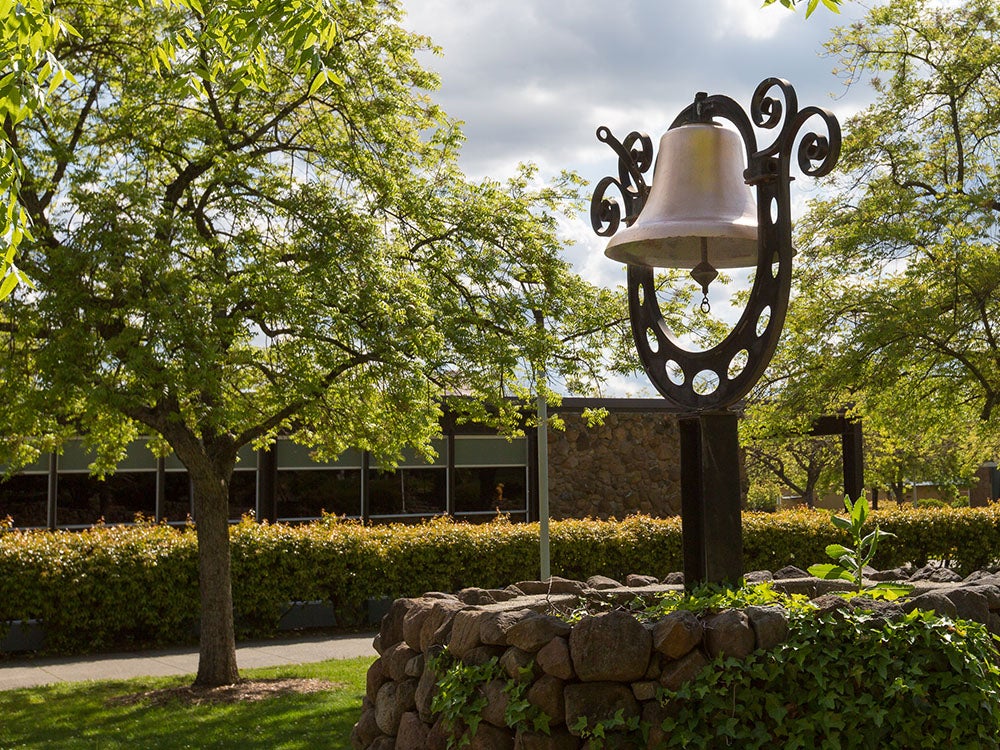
{"x": 627, "y": 465}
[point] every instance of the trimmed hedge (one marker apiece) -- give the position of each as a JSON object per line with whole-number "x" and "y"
{"x": 118, "y": 586}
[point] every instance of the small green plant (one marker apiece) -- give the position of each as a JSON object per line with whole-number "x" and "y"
{"x": 597, "y": 732}
{"x": 715, "y": 598}
{"x": 458, "y": 699}
{"x": 520, "y": 713}
{"x": 851, "y": 561}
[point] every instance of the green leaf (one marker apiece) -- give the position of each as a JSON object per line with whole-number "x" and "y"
{"x": 9, "y": 282}
{"x": 317, "y": 83}
{"x": 859, "y": 514}
{"x": 841, "y": 523}
{"x": 837, "y": 551}
{"x": 828, "y": 571}
{"x": 889, "y": 590}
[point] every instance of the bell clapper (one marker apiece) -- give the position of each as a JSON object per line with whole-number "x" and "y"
{"x": 704, "y": 273}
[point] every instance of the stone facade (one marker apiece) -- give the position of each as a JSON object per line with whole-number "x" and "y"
{"x": 630, "y": 464}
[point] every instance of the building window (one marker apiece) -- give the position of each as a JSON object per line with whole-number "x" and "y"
{"x": 24, "y": 498}
{"x": 176, "y": 496}
{"x": 408, "y": 491}
{"x": 491, "y": 476}
{"x": 491, "y": 490}
{"x": 306, "y": 488}
{"x": 83, "y": 500}
{"x": 242, "y": 494}
{"x": 308, "y": 493}
{"x": 414, "y": 488}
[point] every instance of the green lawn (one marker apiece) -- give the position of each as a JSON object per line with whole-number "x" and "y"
{"x": 73, "y": 716}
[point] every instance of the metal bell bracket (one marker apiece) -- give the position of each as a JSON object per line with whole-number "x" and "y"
{"x": 721, "y": 376}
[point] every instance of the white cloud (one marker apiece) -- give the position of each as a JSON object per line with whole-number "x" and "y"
{"x": 533, "y": 79}
{"x": 747, "y": 20}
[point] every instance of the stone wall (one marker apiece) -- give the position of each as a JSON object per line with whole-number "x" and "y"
{"x": 602, "y": 664}
{"x": 630, "y": 464}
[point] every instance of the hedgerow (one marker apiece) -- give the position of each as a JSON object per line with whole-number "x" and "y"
{"x": 116, "y": 586}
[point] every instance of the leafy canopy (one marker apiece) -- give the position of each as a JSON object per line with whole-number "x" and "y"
{"x": 896, "y": 301}
{"x": 261, "y": 228}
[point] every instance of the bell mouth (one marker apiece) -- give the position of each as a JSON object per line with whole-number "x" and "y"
{"x": 674, "y": 245}
{"x": 698, "y": 192}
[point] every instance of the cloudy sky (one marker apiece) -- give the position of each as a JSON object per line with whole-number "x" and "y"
{"x": 533, "y": 79}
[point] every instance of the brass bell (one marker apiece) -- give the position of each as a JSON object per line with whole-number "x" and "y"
{"x": 700, "y": 213}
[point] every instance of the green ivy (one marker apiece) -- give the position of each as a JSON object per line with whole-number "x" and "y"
{"x": 712, "y": 598}
{"x": 847, "y": 680}
{"x": 598, "y": 732}
{"x": 520, "y": 713}
{"x": 459, "y": 699}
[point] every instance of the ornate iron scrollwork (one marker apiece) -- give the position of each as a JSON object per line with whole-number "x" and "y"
{"x": 739, "y": 360}
{"x": 635, "y": 157}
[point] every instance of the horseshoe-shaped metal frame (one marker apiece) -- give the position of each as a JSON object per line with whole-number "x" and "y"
{"x": 739, "y": 360}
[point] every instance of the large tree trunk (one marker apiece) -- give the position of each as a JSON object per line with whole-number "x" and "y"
{"x": 217, "y": 646}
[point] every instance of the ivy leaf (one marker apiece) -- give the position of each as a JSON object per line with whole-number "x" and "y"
{"x": 541, "y": 723}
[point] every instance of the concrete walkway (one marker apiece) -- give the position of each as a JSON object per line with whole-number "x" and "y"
{"x": 29, "y": 672}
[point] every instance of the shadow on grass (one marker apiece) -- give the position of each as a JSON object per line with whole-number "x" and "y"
{"x": 81, "y": 715}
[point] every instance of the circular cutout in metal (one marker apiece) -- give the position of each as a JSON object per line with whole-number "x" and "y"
{"x": 738, "y": 363}
{"x": 674, "y": 372}
{"x": 652, "y": 340}
{"x": 706, "y": 382}
{"x": 762, "y": 320}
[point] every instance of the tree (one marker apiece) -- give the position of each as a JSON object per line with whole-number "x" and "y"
{"x": 894, "y": 311}
{"x": 899, "y": 269}
{"x": 224, "y": 252}
{"x": 28, "y": 33}
{"x": 936, "y": 441}
{"x": 808, "y": 466}
{"x": 231, "y": 33}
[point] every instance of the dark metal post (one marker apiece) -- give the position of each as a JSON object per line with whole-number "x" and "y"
{"x": 852, "y": 445}
{"x": 710, "y": 499}
{"x": 52, "y": 496}
{"x": 366, "y": 504}
{"x": 161, "y": 488}
{"x": 267, "y": 480}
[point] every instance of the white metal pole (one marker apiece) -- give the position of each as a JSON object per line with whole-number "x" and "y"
{"x": 543, "y": 486}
